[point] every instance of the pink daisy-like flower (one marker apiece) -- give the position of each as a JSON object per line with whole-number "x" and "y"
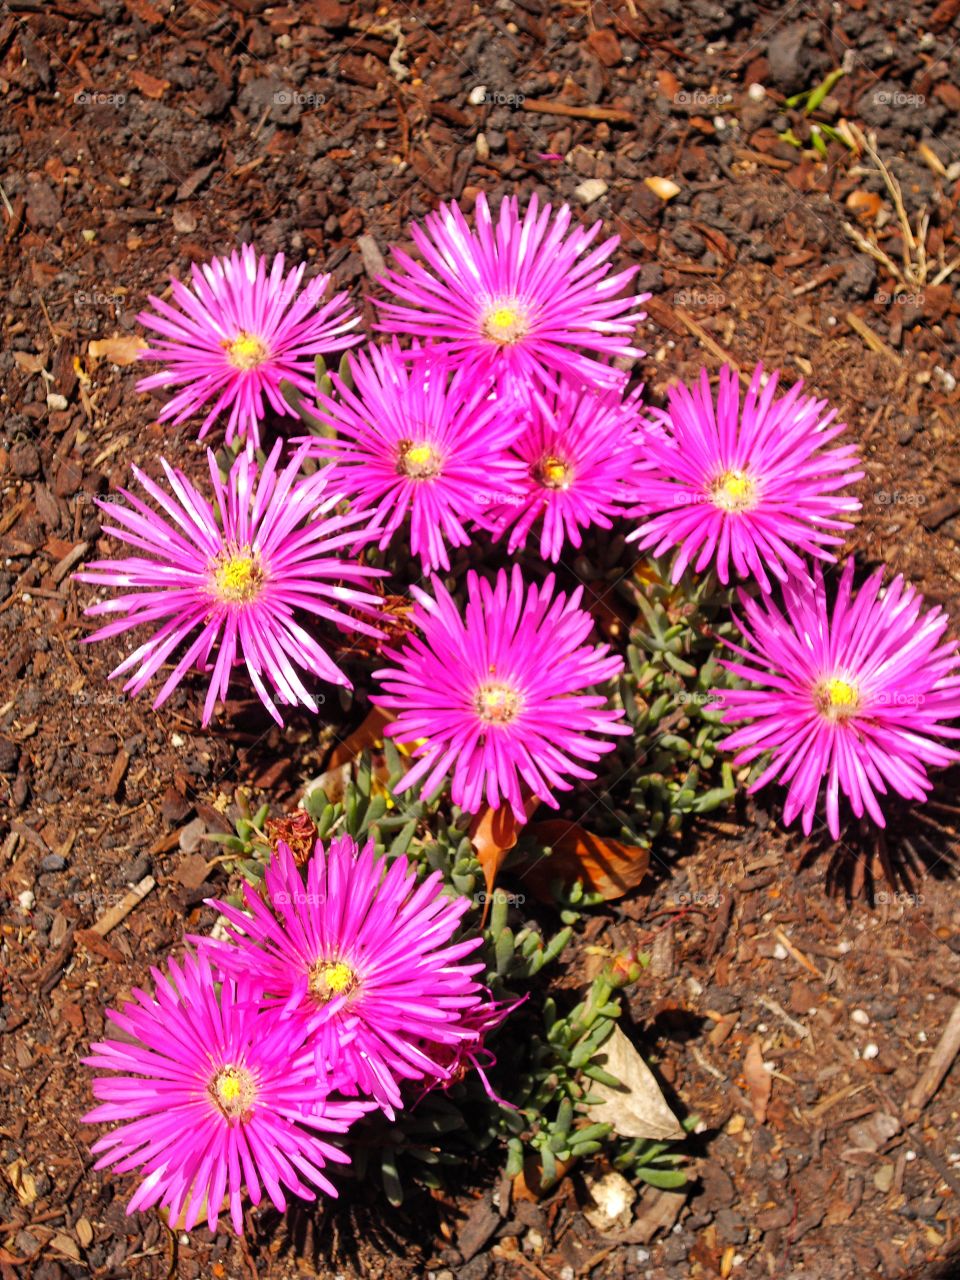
{"x": 238, "y": 333}
{"x": 500, "y": 698}
{"x": 518, "y": 298}
{"x": 213, "y": 1093}
{"x": 579, "y": 452}
{"x": 855, "y": 697}
{"x": 414, "y": 441}
{"x": 239, "y": 569}
{"x": 366, "y": 946}
{"x": 754, "y": 485}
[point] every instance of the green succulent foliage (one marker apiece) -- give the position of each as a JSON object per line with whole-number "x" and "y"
{"x": 296, "y": 399}
{"x": 545, "y": 1054}
{"x": 669, "y": 767}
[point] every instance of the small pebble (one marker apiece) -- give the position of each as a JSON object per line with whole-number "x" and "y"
{"x": 780, "y": 951}
{"x": 56, "y": 401}
{"x": 871, "y": 1051}
{"x": 860, "y": 1017}
{"x": 26, "y": 900}
{"x": 591, "y": 190}
{"x": 756, "y": 92}
{"x": 53, "y": 862}
{"x": 478, "y": 95}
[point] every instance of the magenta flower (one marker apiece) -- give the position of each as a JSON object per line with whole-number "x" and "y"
{"x": 500, "y": 699}
{"x": 237, "y": 335}
{"x": 417, "y": 442}
{"x": 236, "y": 572}
{"x": 214, "y": 1093}
{"x": 755, "y": 486}
{"x": 520, "y": 298}
{"x": 454, "y": 1061}
{"x": 855, "y": 698}
{"x": 579, "y": 453}
{"x": 369, "y": 949}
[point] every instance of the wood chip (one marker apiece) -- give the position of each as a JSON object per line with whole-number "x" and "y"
{"x": 110, "y": 919}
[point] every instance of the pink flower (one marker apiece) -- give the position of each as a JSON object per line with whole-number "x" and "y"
{"x": 579, "y": 451}
{"x": 232, "y": 576}
{"x": 418, "y": 443}
{"x": 237, "y": 335}
{"x": 755, "y": 486}
{"x": 213, "y": 1093}
{"x": 519, "y": 298}
{"x": 855, "y": 697}
{"x": 366, "y": 948}
{"x": 454, "y": 1061}
{"x": 501, "y": 698}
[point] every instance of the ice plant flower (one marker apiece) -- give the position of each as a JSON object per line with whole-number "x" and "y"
{"x": 361, "y": 954}
{"x": 233, "y": 575}
{"x": 414, "y": 441}
{"x": 580, "y": 450}
{"x": 454, "y": 1062}
{"x": 213, "y": 1093}
{"x": 520, "y": 299}
{"x": 500, "y": 698}
{"x": 237, "y": 334}
{"x": 752, "y": 485}
{"x": 854, "y": 699}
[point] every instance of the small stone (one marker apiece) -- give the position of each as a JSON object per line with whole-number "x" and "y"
{"x": 591, "y": 190}
{"x": 478, "y": 96}
{"x": 56, "y": 401}
{"x": 756, "y": 92}
{"x": 25, "y": 460}
{"x": 482, "y": 147}
{"x": 860, "y": 1017}
{"x": 9, "y": 756}
{"x": 192, "y": 834}
{"x": 69, "y": 478}
{"x": 883, "y": 1178}
{"x": 53, "y": 862}
{"x": 871, "y": 1051}
{"x": 134, "y": 871}
{"x": 26, "y": 900}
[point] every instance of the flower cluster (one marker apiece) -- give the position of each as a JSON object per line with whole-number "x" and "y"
{"x": 507, "y": 416}
{"x": 337, "y": 987}
{"x": 498, "y": 416}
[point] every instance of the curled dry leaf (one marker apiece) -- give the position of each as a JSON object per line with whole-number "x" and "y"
{"x": 119, "y": 350}
{"x": 608, "y": 867}
{"x": 759, "y": 1081}
{"x": 638, "y": 1108}
{"x": 493, "y": 833}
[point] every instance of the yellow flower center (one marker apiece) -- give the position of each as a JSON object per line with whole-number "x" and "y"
{"x": 554, "y": 473}
{"x": 237, "y": 576}
{"x": 331, "y": 978}
{"x": 233, "y": 1091}
{"x": 734, "y": 491}
{"x": 418, "y": 459}
{"x": 497, "y": 703}
{"x": 246, "y": 350}
{"x": 505, "y": 322}
{"x": 837, "y": 698}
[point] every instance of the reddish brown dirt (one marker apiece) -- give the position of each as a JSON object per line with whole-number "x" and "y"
{"x": 139, "y": 136}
